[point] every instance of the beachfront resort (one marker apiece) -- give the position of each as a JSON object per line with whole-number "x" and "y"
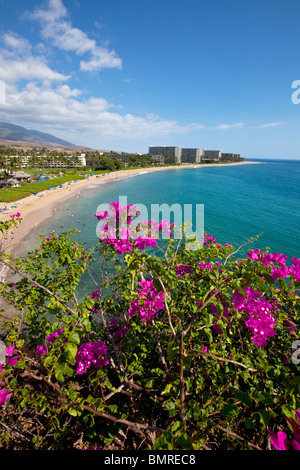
{"x": 175, "y": 154}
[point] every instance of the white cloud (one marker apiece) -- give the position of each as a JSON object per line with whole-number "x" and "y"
{"x": 47, "y": 104}
{"x": 29, "y": 68}
{"x": 58, "y": 30}
{"x": 19, "y": 45}
{"x": 60, "y": 110}
{"x": 270, "y": 124}
{"x": 101, "y": 58}
{"x": 18, "y": 63}
{"x": 54, "y": 12}
{"x": 229, "y": 126}
{"x": 66, "y": 91}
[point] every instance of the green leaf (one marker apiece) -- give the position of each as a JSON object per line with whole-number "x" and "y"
{"x": 49, "y": 361}
{"x": 245, "y": 399}
{"x": 248, "y": 424}
{"x": 164, "y": 441}
{"x": 70, "y": 352}
{"x": 179, "y": 314}
{"x": 230, "y": 411}
{"x": 184, "y": 442}
{"x": 62, "y": 370}
{"x": 264, "y": 417}
{"x": 72, "y": 412}
{"x": 74, "y": 337}
{"x": 157, "y": 285}
{"x": 187, "y": 361}
{"x": 263, "y": 397}
{"x": 167, "y": 390}
{"x": 178, "y": 425}
{"x": 87, "y": 324}
{"x": 172, "y": 350}
{"x": 89, "y": 303}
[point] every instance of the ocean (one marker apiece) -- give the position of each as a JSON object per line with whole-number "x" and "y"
{"x": 240, "y": 202}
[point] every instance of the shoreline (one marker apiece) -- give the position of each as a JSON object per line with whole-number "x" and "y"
{"x": 36, "y": 209}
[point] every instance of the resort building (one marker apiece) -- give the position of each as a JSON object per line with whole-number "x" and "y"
{"x": 69, "y": 161}
{"x": 171, "y": 154}
{"x": 66, "y": 162}
{"x": 212, "y": 155}
{"x": 191, "y": 155}
{"x": 22, "y": 160}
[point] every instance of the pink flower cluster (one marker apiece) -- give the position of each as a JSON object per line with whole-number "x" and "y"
{"x": 206, "y": 266}
{"x": 52, "y": 337}
{"x": 95, "y": 294}
{"x": 4, "y": 394}
{"x": 148, "y": 304}
{"x": 182, "y": 269}
{"x": 260, "y": 312}
{"x": 273, "y": 260}
{"x": 91, "y": 354}
{"x": 208, "y": 239}
{"x": 41, "y": 350}
{"x": 280, "y": 440}
{"x": 114, "y": 325}
{"x": 12, "y": 361}
{"x": 118, "y": 230}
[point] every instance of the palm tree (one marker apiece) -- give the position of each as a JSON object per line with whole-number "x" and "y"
{"x": 75, "y": 161}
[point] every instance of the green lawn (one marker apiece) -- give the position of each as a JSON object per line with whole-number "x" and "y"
{"x": 14, "y": 194}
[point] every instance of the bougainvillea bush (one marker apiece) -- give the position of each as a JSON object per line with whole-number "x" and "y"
{"x": 190, "y": 349}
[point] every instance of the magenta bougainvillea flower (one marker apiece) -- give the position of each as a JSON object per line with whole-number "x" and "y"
{"x": 4, "y": 395}
{"x": 208, "y": 239}
{"x": 260, "y": 315}
{"x": 41, "y": 350}
{"x": 52, "y": 337}
{"x": 148, "y": 304}
{"x": 280, "y": 440}
{"x": 91, "y": 354}
{"x": 182, "y": 270}
{"x": 9, "y": 351}
{"x": 119, "y": 231}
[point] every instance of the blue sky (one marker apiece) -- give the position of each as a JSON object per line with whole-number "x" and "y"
{"x": 126, "y": 74}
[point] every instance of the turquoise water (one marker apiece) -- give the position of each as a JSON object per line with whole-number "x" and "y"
{"x": 240, "y": 202}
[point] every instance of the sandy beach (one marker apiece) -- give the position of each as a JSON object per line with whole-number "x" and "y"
{"x": 36, "y": 209}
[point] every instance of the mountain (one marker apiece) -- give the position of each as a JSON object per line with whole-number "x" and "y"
{"x": 13, "y": 133}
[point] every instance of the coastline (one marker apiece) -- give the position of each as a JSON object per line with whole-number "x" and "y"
{"x": 36, "y": 209}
